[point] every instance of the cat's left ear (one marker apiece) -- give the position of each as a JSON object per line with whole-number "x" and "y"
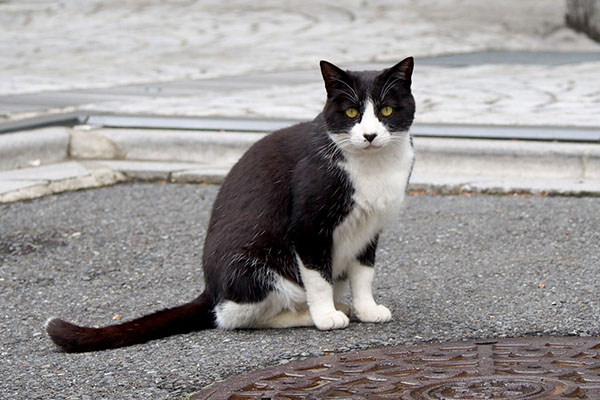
{"x": 334, "y": 77}
{"x": 403, "y": 71}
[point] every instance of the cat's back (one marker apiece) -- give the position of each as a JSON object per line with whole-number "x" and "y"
{"x": 270, "y": 162}
{"x": 257, "y": 191}
{"x": 251, "y": 214}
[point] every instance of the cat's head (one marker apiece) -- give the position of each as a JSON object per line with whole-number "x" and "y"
{"x": 367, "y": 111}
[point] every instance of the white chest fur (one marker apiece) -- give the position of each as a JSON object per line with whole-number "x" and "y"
{"x": 379, "y": 182}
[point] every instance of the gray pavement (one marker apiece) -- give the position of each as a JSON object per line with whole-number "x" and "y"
{"x": 451, "y": 267}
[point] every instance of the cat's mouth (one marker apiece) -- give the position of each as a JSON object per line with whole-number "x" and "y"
{"x": 371, "y": 147}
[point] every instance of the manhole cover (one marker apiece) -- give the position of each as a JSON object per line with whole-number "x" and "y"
{"x": 526, "y": 368}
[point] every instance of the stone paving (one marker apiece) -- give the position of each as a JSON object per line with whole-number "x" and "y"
{"x": 116, "y": 42}
{"x": 53, "y": 47}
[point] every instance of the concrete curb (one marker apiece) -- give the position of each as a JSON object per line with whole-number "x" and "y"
{"x": 32, "y": 148}
{"x": 81, "y": 157}
{"x": 506, "y": 158}
{"x": 207, "y": 147}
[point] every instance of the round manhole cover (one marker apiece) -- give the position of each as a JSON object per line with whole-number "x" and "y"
{"x": 525, "y": 368}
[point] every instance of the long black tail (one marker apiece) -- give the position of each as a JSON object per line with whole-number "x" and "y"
{"x": 193, "y": 316}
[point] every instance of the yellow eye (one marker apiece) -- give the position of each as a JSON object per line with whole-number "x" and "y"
{"x": 386, "y": 111}
{"x": 351, "y": 112}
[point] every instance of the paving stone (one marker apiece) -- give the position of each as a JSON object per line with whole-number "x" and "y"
{"x": 253, "y": 37}
{"x": 92, "y": 145}
{"x": 201, "y": 175}
{"x": 8, "y": 186}
{"x": 507, "y": 159}
{"x": 535, "y": 186}
{"x": 54, "y": 172}
{"x": 454, "y": 184}
{"x": 148, "y": 170}
{"x": 499, "y": 78}
{"x": 95, "y": 177}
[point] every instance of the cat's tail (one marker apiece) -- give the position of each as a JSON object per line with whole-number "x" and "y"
{"x": 193, "y": 316}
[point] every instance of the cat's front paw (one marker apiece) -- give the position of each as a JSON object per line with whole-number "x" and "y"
{"x": 376, "y": 313}
{"x": 332, "y": 320}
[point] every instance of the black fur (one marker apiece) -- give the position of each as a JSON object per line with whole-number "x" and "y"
{"x": 284, "y": 197}
{"x": 281, "y": 210}
{"x": 189, "y": 317}
{"x": 348, "y": 89}
{"x": 367, "y": 257}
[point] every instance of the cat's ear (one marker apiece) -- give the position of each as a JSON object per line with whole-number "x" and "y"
{"x": 403, "y": 71}
{"x": 335, "y": 78}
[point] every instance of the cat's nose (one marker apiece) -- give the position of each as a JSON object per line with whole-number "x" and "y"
{"x": 370, "y": 136}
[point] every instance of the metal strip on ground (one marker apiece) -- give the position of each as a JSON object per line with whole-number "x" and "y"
{"x": 497, "y": 132}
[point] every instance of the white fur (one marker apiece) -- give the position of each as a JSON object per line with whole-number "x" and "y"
{"x": 287, "y": 306}
{"x": 365, "y": 307}
{"x": 379, "y": 178}
{"x": 288, "y": 319}
{"x": 287, "y": 297}
{"x": 369, "y": 124}
{"x": 320, "y": 299}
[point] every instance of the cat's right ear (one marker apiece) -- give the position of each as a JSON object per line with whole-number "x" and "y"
{"x": 335, "y": 78}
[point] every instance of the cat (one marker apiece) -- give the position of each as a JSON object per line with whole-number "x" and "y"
{"x": 296, "y": 221}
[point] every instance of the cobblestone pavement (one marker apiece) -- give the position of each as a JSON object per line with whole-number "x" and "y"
{"x": 49, "y": 45}
{"x": 451, "y": 267}
{"x": 482, "y": 94}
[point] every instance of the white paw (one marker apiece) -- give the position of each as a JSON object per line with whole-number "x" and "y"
{"x": 377, "y": 313}
{"x": 333, "y": 320}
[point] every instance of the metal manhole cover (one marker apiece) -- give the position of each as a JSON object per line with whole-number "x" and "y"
{"x": 524, "y": 368}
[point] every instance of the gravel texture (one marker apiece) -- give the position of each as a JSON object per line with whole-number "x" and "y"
{"x": 450, "y": 268}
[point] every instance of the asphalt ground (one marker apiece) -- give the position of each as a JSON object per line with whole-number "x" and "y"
{"x": 451, "y": 267}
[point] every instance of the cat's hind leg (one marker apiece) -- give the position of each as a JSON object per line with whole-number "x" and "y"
{"x": 232, "y": 315}
{"x": 289, "y": 308}
{"x": 283, "y": 307}
{"x": 267, "y": 314}
{"x": 288, "y": 319}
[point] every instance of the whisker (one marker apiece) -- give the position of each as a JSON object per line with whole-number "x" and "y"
{"x": 347, "y": 95}
{"x": 352, "y": 91}
{"x": 389, "y": 84}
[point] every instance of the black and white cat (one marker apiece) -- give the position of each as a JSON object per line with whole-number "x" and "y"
{"x": 296, "y": 220}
